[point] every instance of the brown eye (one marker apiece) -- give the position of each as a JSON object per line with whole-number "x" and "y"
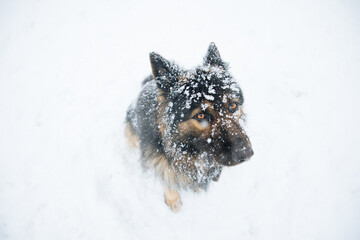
{"x": 233, "y": 107}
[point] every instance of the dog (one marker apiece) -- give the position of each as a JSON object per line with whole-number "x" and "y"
{"x": 188, "y": 124}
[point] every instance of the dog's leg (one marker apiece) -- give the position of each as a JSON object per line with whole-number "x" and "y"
{"x": 172, "y": 199}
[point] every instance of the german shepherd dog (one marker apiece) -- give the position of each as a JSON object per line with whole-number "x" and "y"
{"x": 188, "y": 124}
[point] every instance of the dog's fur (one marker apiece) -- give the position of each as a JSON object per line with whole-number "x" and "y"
{"x": 188, "y": 124}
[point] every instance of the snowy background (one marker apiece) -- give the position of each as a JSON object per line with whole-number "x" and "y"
{"x": 69, "y": 70}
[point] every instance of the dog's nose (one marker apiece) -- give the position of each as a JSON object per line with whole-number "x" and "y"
{"x": 242, "y": 153}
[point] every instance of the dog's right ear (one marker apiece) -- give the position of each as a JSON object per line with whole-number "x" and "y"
{"x": 164, "y": 72}
{"x": 159, "y": 65}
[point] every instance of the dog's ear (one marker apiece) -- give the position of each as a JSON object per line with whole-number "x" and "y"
{"x": 213, "y": 57}
{"x": 159, "y": 65}
{"x": 164, "y": 71}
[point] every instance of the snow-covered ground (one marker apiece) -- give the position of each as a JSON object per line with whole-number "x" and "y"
{"x": 69, "y": 70}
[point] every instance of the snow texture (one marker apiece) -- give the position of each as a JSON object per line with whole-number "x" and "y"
{"x": 70, "y": 69}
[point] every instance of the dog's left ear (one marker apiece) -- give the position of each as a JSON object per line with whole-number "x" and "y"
{"x": 213, "y": 57}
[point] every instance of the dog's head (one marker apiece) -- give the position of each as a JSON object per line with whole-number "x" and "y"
{"x": 202, "y": 109}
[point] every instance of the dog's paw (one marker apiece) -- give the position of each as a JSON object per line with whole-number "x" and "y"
{"x": 173, "y": 200}
{"x": 174, "y": 205}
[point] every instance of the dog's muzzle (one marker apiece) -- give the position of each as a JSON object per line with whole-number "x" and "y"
{"x": 242, "y": 155}
{"x": 238, "y": 151}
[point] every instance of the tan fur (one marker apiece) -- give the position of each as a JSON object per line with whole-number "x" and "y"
{"x": 191, "y": 125}
{"x": 162, "y": 168}
{"x": 161, "y": 111}
{"x": 133, "y": 140}
{"x": 165, "y": 171}
{"x": 172, "y": 199}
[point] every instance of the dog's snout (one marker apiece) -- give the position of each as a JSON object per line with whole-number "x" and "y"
{"x": 242, "y": 154}
{"x": 242, "y": 150}
{"x": 236, "y": 151}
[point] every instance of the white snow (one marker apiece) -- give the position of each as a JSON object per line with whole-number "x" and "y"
{"x": 212, "y": 90}
{"x": 70, "y": 69}
{"x": 209, "y": 97}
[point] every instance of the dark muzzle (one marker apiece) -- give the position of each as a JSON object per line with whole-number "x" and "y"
{"x": 236, "y": 151}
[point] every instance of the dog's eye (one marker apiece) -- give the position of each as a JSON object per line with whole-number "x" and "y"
{"x": 203, "y": 117}
{"x": 233, "y": 107}
{"x": 200, "y": 116}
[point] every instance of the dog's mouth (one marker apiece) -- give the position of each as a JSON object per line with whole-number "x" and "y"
{"x": 232, "y": 162}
